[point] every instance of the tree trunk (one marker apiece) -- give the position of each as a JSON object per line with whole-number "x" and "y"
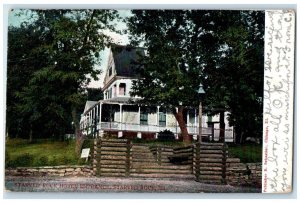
{"x": 78, "y": 134}
{"x": 222, "y": 126}
{"x": 30, "y": 135}
{"x": 184, "y": 132}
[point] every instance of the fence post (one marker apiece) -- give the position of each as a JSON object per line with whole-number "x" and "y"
{"x": 98, "y": 157}
{"x": 159, "y": 155}
{"x": 197, "y": 161}
{"x": 95, "y": 158}
{"x": 128, "y": 157}
{"x": 224, "y": 158}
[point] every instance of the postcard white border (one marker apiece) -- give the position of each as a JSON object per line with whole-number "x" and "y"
{"x": 27, "y": 197}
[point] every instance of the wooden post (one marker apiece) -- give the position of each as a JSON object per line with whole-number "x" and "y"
{"x": 99, "y": 157}
{"x": 159, "y": 155}
{"x": 95, "y": 158}
{"x": 197, "y": 161}
{"x": 200, "y": 123}
{"x": 128, "y": 157}
{"x": 224, "y": 158}
{"x": 222, "y": 127}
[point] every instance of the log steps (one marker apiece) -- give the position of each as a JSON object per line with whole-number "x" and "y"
{"x": 145, "y": 164}
{"x": 113, "y": 158}
{"x": 209, "y": 162}
{"x": 120, "y": 158}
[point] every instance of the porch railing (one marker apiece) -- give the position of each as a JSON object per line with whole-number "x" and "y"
{"x": 149, "y": 128}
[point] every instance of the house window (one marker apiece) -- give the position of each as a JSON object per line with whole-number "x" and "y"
{"x": 110, "y": 71}
{"x": 162, "y": 119}
{"x": 122, "y": 89}
{"x": 110, "y": 93}
{"x": 144, "y": 118}
{"x": 209, "y": 118}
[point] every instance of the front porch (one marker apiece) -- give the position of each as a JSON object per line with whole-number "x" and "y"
{"x": 123, "y": 118}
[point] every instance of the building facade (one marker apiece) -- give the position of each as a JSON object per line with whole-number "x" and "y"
{"x": 117, "y": 114}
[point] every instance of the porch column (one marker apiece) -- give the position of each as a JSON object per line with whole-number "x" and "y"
{"x": 139, "y": 116}
{"x": 86, "y": 117}
{"x": 195, "y": 126}
{"x": 97, "y": 114}
{"x": 89, "y": 122}
{"x": 118, "y": 88}
{"x": 139, "y": 134}
{"x": 93, "y": 122}
{"x": 157, "y": 121}
{"x": 120, "y": 133}
{"x": 176, "y": 126}
{"x": 100, "y": 115}
{"x": 90, "y": 117}
{"x": 188, "y": 120}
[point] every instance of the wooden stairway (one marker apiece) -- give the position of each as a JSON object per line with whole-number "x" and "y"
{"x": 145, "y": 165}
{"x": 120, "y": 158}
{"x": 209, "y": 162}
{"x": 112, "y": 157}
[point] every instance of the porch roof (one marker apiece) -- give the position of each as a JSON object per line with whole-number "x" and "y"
{"x": 120, "y": 100}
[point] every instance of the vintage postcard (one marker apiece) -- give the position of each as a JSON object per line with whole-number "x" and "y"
{"x": 150, "y": 101}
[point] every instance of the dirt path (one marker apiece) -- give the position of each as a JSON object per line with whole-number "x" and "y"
{"x": 95, "y": 184}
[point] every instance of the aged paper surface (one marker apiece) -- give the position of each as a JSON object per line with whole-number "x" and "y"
{"x": 278, "y": 101}
{"x": 278, "y": 122}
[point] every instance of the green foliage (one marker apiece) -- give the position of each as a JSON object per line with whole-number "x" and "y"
{"x": 21, "y": 160}
{"x": 166, "y": 135}
{"x": 42, "y": 161}
{"x": 41, "y": 153}
{"x": 169, "y": 77}
{"x": 248, "y": 153}
{"x": 57, "y": 50}
{"x": 234, "y": 82}
{"x": 221, "y": 49}
{"x": 94, "y": 94}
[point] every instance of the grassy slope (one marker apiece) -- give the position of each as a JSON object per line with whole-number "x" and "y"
{"x": 247, "y": 153}
{"x": 43, "y": 152}
{"x": 50, "y": 153}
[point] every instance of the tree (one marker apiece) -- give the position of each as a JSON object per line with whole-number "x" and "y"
{"x": 234, "y": 77}
{"x": 71, "y": 42}
{"x": 21, "y": 65}
{"x": 221, "y": 49}
{"x": 94, "y": 94}
{"x": 170, "y": 77}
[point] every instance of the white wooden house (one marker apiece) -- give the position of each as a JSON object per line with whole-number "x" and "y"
{"x": 115, "y": 114}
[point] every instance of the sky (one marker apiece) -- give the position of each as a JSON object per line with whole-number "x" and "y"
{"x": 15, "y": 20}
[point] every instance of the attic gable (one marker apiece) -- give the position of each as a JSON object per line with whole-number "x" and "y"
{"x": 123, "y": 61}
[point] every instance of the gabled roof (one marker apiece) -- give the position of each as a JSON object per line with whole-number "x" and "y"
{"x": 125, "y": 59}
{"x": 88, "y": 105}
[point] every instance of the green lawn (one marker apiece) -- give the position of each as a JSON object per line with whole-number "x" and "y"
{"x": 247, "y": 153}
{"x": 20, "y": 152}
{"x": 41, "y": 153}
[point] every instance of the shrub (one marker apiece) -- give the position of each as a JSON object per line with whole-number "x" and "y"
{"x": 64, "y": 160}
{"x": 54, "y": 161}
{"x": 21, "y": 161}
{"x": 88, "y": 143}
{"x": 7, "y": 159}
{"x": 42, "y": 161}
{"x": 166, "y": 135}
